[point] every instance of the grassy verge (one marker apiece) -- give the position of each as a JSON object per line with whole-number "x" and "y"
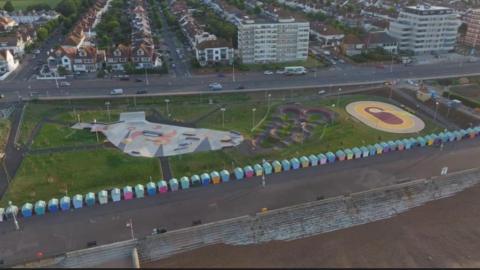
{"x": 33, "y": 114}
{"x": 53, "y": 175}
{"x": 23, "y": 4}
{"x": 53, "y": 135}
{"x": 5, "y": 126}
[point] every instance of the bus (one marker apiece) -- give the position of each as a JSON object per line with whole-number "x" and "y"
{"x": 295, "y": 70}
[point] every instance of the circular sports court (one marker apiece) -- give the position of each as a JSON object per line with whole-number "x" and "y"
{"x": 385, "y": 117}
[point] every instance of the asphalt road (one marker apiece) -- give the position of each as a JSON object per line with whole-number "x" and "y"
{"x": 56, "y": 233}
{"x": 168, "y": 85}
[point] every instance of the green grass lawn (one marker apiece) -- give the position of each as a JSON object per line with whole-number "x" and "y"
{"x": 101, "y": 115}
{"x": 33, "y": 114}
{"x": 345, "y": 132}
{"x": 22, "y": 4}
{"x": 4, "y": 131}
{"x": 54, "y": 135}
{"x": 52, "y": 175}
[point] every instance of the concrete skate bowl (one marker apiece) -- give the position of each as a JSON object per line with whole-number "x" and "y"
{"x": 385, "y": 117}
{"x": 292, "y": 124}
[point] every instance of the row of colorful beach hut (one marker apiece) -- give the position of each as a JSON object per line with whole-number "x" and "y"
{"x": 162, "y": 186}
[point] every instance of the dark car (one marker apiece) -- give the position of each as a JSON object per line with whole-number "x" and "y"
{"x": 241, "y": 87}
{"x": 138, "y": 80}
{"x": 220, "y": 75}
{"x": 140, "y": 92}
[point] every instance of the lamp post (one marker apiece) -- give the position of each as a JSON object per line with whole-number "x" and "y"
{"x": 14, "y": 214}
{"x": 130, "y": 225}
{"x": 223, "y": 116}
{"x": 253, "y": 117}
{"x": 167, "y": 101}
{"x": 233, "y": 67}
{"x": 107, "y": 103}
{"x": 268, "y": 100}
{"x": 391, "y": 90}
{"x": 338, "y": 95}
{"x": 146, "y": 77}
{"x": 264, "y": 183}
{"x": 96, "y": 129}
{"x": 436, "y": 109}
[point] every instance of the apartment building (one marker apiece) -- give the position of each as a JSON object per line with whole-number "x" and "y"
{"x": 425, "y": 29}
{"x": 266, "y": 41}
{"x": 472, "y": 19}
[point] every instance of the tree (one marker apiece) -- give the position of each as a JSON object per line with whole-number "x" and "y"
{"x": 257, "y": 10}
{"x": 67, "y": 8}
{"x": 38, "y": 6}
{"x": 42, "y": 33}
{"x": 8, "y": 6}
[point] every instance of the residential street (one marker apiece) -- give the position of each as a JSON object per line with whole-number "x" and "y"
{"x": 165, "y": 85}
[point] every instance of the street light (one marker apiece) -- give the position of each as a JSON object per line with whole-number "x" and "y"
{"x": 268, "y": 101}
{"x": 130, "y": 225}
{"x": 96, "y": 129}
{"x": 436, "y": 109}
{"x": 167, "y": 101}
{"x": 338, "y": 95}
{"x": 264, "y": 183}
{"x": 107, "y": 103}
{"x": 223, "y": 116}
{"x": 253, "y": 117}
{"x": 14, "y": 214}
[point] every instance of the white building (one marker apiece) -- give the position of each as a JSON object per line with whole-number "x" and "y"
{"x": 273, "y": 42}
{"x": 425, "y": 29}
{"x": 7, "y": 62}
{"x": 214, "y": 51}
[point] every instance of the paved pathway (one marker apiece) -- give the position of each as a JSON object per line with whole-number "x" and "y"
{"x": 55, "y": 233}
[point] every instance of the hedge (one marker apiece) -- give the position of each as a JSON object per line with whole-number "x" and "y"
{"x": 466, "y": 101}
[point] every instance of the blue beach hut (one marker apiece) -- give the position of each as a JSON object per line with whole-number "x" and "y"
{"x": 196, "y": 181}
{"x": 139, "y": 191}
{"x": 205, "y": 178}
{"x": 53, "y": 205}
{"x": 463, "y": 132}
{"x": 392, "y": 146}
{"x": 450, "y": 136}
{"x": 173, "y": 183}
{"x": 285, "y": 165}
{"x": 102, "y": 197}
{"x": 385, "y": 147}
{"x": 372, "y": 150}
{"x": 443, "y": 137}
{"x": 331, "y": 157}
{"x": 413, "y": 142}
{"x": 151, "y": 189}
{"x": 65, "y": 203}
{"x": 477, "y": 131}
{"x": 225, "y": 175}
{"x": 40, "y": 208}
{"x": 357, "y": 153}
{"x": 90, "y": 199}
{"x": 421, "y": 141}
{"x": 27, "y": 210}
{"x": 407, "y": 144}
{"x": 313, "y": 160}
{"x": 239, "y": 174}
{"x": 116, "y": 195}
{"x": 77, "y": 201}
{"x": 267, "y": 167}
{"x": 436, "y": 138}
{"x": 458, "y": 135}
{"x": 184, "y": 182}
{"x": 295, "y": 163}
{"x": 365, "y": 151}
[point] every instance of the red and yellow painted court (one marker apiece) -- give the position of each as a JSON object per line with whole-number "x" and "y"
{"x": 385, "y": 117}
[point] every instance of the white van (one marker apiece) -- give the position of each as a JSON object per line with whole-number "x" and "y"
{"x": 117, "y": 91}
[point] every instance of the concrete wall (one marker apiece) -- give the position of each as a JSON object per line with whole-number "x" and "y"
{"x": 282, "y": 224}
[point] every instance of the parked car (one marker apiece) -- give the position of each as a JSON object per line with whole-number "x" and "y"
{"x": 64, "y": 83}
{"x": 280, "y": 71}
{"x": 321, "y": 92}
{"x": 140, "y": 92}
{"x": 2, "y": 96}
{"x": 117, "y": 91}
{"x": 215, "y": 86}
{"x": 220, "y": 75}
{"x": 138, "y": 80}
{"x": 241, "y": 87}
{"x": 380, "y": 66}
{"x": 268, "y": 72}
